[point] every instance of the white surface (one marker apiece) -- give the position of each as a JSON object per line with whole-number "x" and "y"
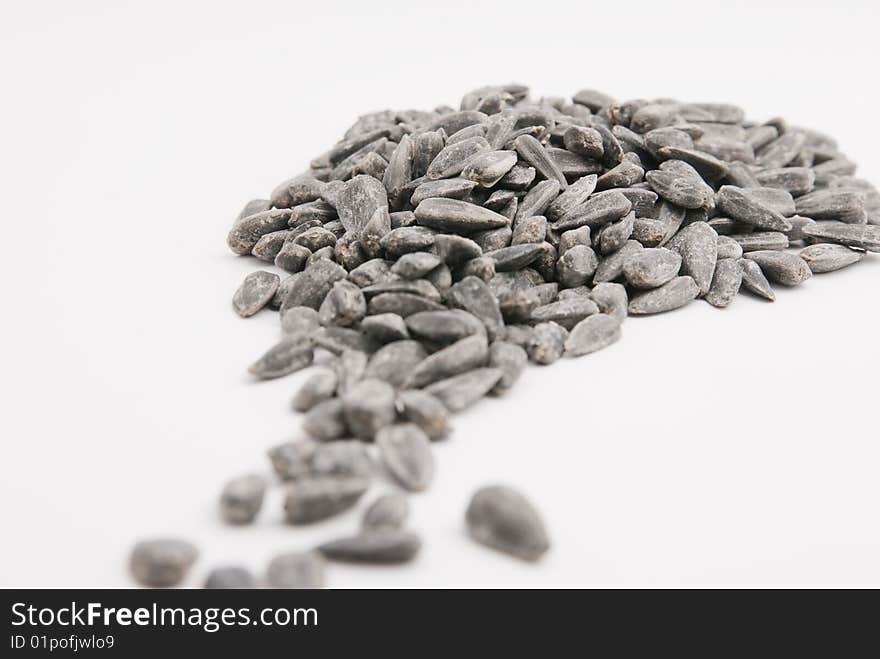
{"x": 707, "y": 447}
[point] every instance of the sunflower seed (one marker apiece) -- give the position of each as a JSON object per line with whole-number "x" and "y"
{"x": 614, "y": 235}
{"x": 781, "y": 267}
{"x": 518, "y": 178}
{"x": 511, "y": 360}
{"x": 862, "y": 236}
{"x": 592, "y": 334}
{"x": 754, "y": 280}
{"x": 841, "y": 205}
{"x": 533, "y": 152}
{"x": 461, "y": 391}
{"x": 394, "y": 362}
{"x": 292, "y": 460}
{"x": 758, "y": 240}
{"x": 162, "y": 563}
{"x": 462, "y": 356}
{"x": 342, "y": 458}
{"x": 406, "y": 453}
{"x": 611, "y": 267}
{"x": 381, "y": 546}
{"x": 310, "y": 289}
{"x": 546, "y": 343}
{"x": 455, "y": 157}
{"x": 611, "y": 299}
{"x": 286, "y": 357}
{"x": 385, "y": 328}
{"x": 538, "y": 199}
{"x": 402, "y": 304}
{"x": 453, "y": 215}
{"x": 697, "y": 244}
{"x": 566, "y": 313}
{"x": 420, "y": 287}
{"x": 255, "y": 292}
{"x": 230, "y": 577}
{"x": 472, "y": 295}
{"x": 452, "y": 188}
{"x": 585, "y": 141}
{"x": 445, "y": 326}
{"x": 728, "y": 248}
{"x": 326, "y": 420}
{"x": 369, "y": 407}
{"x": 320, "y": 386}
{"x": 296, "y": 570}
{"x": 415, "y": 264}
{"x": 671, "y": 295}
{"x": 387, "y": 513}
{"x": 486, "y": 169}
{"x": 242, "y": 498}
{"x": 824, "y": 257}
{"x": 650, "y": 268}
{"x": 312, "y": 499}
{"x": 503, "y": 519}
{"x": 597, "y": 210}
{"x": 725, "y": 283}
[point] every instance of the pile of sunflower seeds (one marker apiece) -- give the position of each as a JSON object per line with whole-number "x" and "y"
{"x": 430, "y": 255}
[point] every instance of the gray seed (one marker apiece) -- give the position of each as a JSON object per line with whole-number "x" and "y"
{"x": 725, "y": 283}
{"x": 229, "y": 578}
{"x": 671, "y": 295}
{"x": 795, "y": 180}
{"x": 296, "y": 570}
{"x": 269, "y": 245}
{"x": 585, "y": 141}
{"x": 372, "y": 164}
{"x": 493, "y": 239}
{"x": 463, "y": 355}
{"x": 402, "y": 219}
{"x": 517, "y": 306}
{"x": 337, "y": 340}
{"x": 310, "y": 289}
{"x": 842, "y": 205}
{"x": 597, "y": 210}
{"x": 444, "y": 326}
{"x": 741, "y": 176}
{"x": 529, "y": 230}
{"x": 399, "y": 171}
{"x": 286, "y": 357}
{"x": 611, "y": 299}
{"x": 320, "y": 386}
{"x": 570, "y": 293}
{"x": 611, "y": 267}
{"x": 501, "y": 518}
{"x": 518, "y": 178}
{"x": 344, "y": 305}
{"x": 689, "y": 192}
{"x": 538, "y": 199}
{"x": 745, "y": 208}
{"x": 824, "y": 257}
{"x": 453, "y": 188}
{"x": 242, "y": 499}
{"x": 593, "y": 99}
{"x": 312, "y": 499}
{"x": 406, "y": 453}
{"x": 514, "y": 257}
{"x": 650, "y": 268}
{"x": 283, "y": 290}
{"x": 348, "y": 251}
{"x": 369, "y": 407}
{"x": 358, "y": 200}
{"x": 247, "y": 231}
{"x": 781, "y": 267}
{"x": 798, "y": 224}
{"x": 402, "y": 304}
{"x": 486, "y": 169}
{"x": 342, "y": 458}
{"x": 474, "y": 296}
{"x": 547, "y": 343}
{"x": 292, "y": 460}
{"x": 385, "y": 328}
{"x": 614, "y": 235}
{"x": 315, "y": 238}
{"x": 666, "y": 137}
{"x": 572, "y": 237}
{"x": 454, "y": 215}
{"x": 253, "y": 207}
{"x": 862, "y": 236}
{"x": 566, "y": 313}
{"x": 781, "y": 151}
{"x": 420, "y": 287}
{"x": 326, "y": 420}
{"x": 292, "y": 257}
{"x": 387, "y": 513}
{"x": 255, "y": 292}
{"x": 592, "y": 334}
{"x": 533, "y": 152}
{"x": 311, "y": 214}
{"x": 374, "y": 231}
{"x": 162, "y": 563}
{"x": 754, "y": 280}
{"x": 456, "y": 249}
{"x": 576, "y": 266}
{"x": 459, "y": 392}
{"x": 416, "y": 264}
{"x": 708, "y": 166}
{"x": 728, "y": 248}
{"x": 622, "y": 176}
{"x": 697, "y": 244}
{"x": 455, "y": 157}
{"x": 424, "y": 410}
{"x": 576, "y": 194}
{"x": 760, "y": 240}
{"x": 426, "y": 146}
{"x": 394, "y": 362}
{"x": 452, "y": 122}
{"x": 511, "y": 360}
{"x": 383, "y": 546}
{"x": 779, "y": 200}
{"x": 648, "y": 231}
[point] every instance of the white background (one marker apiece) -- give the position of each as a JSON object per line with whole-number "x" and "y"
{"x": 707, "y": 448}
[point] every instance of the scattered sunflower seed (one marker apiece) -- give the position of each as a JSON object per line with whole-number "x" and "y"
{"x": 242, "y": 499}
{"x": 162, "y": 563}
{"x": 315, "y": 498}
{"x": 826, "y": 257}
{"x": 296, "y": 570}
{"x": 255, "y": 292}
{"x": 503, "y": 519}
{"x": 381, "y": 546}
